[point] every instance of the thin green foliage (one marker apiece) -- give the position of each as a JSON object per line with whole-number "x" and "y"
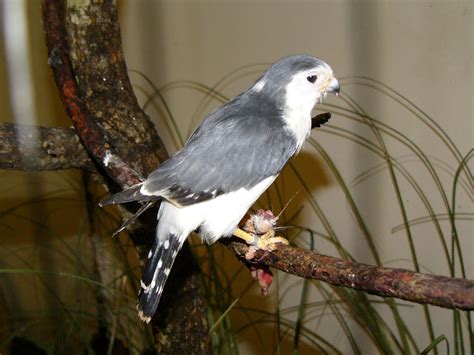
{"x": 435, "y": 344}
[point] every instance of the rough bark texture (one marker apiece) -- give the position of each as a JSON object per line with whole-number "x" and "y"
{"x": 386, "y": 282}
{"x": 85, "y": 53}
{"x": 84, "y": 48}
{"x": 56, "y": 149}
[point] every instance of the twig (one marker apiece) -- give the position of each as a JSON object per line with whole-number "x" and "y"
{"x": 440, "y": 291}
{"x": 318, "y": 120}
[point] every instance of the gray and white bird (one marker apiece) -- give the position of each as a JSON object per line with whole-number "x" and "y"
{"x": 227, "y": 163}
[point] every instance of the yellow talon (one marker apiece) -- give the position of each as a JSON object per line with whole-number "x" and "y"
{"x": 268, "y": 241}
{"x": 247, "y": 237}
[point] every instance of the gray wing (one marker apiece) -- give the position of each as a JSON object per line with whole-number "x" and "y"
{"x": 238, "y": 145}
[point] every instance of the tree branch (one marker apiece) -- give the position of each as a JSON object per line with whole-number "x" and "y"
{"x": 103, "y": 107}
{"x": 436, "y": 290}
{"x": 56, "y": 149}
{"x": 85, "y": 53}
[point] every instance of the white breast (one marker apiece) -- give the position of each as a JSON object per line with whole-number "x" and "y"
{"x": 300, "y": 125}
{"x": 300, "y": 98}
{"x": 217, "y": 217}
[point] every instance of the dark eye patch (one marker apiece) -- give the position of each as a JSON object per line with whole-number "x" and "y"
{"x": 312, "y": 78}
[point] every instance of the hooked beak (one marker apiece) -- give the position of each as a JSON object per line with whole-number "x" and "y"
{"x": 333, "y": 86}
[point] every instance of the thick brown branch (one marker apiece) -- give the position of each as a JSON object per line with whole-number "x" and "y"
{"x": 85, "y": 52}
{"x": 56, "y": 148}
{"x": 84, "y": 47}
{"x": 386, "y": 282}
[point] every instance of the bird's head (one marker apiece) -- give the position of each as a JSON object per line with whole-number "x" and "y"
{"x": 297, "y": 83}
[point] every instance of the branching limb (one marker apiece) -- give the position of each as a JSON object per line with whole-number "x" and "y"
{"x": 386, "y": 282}
{"x": 56, "y": 149}
{"x": 85, "y": 53}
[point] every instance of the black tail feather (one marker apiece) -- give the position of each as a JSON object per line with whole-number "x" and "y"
{"x": 155, "y": 273}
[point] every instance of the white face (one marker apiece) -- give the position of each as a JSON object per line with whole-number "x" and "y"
{"x": 308, "y": 88}
{"x": 304, "y": 91}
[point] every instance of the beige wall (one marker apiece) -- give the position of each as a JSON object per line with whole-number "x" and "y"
{"x": 421, "y": 48}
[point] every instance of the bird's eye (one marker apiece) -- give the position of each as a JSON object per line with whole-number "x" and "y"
{"x": 312, "y": 78}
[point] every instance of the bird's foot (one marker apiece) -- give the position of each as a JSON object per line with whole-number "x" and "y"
{"x": 248, "y": 238}
{"x": 258, "y": 231}
{"x": 267, "y": 242}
